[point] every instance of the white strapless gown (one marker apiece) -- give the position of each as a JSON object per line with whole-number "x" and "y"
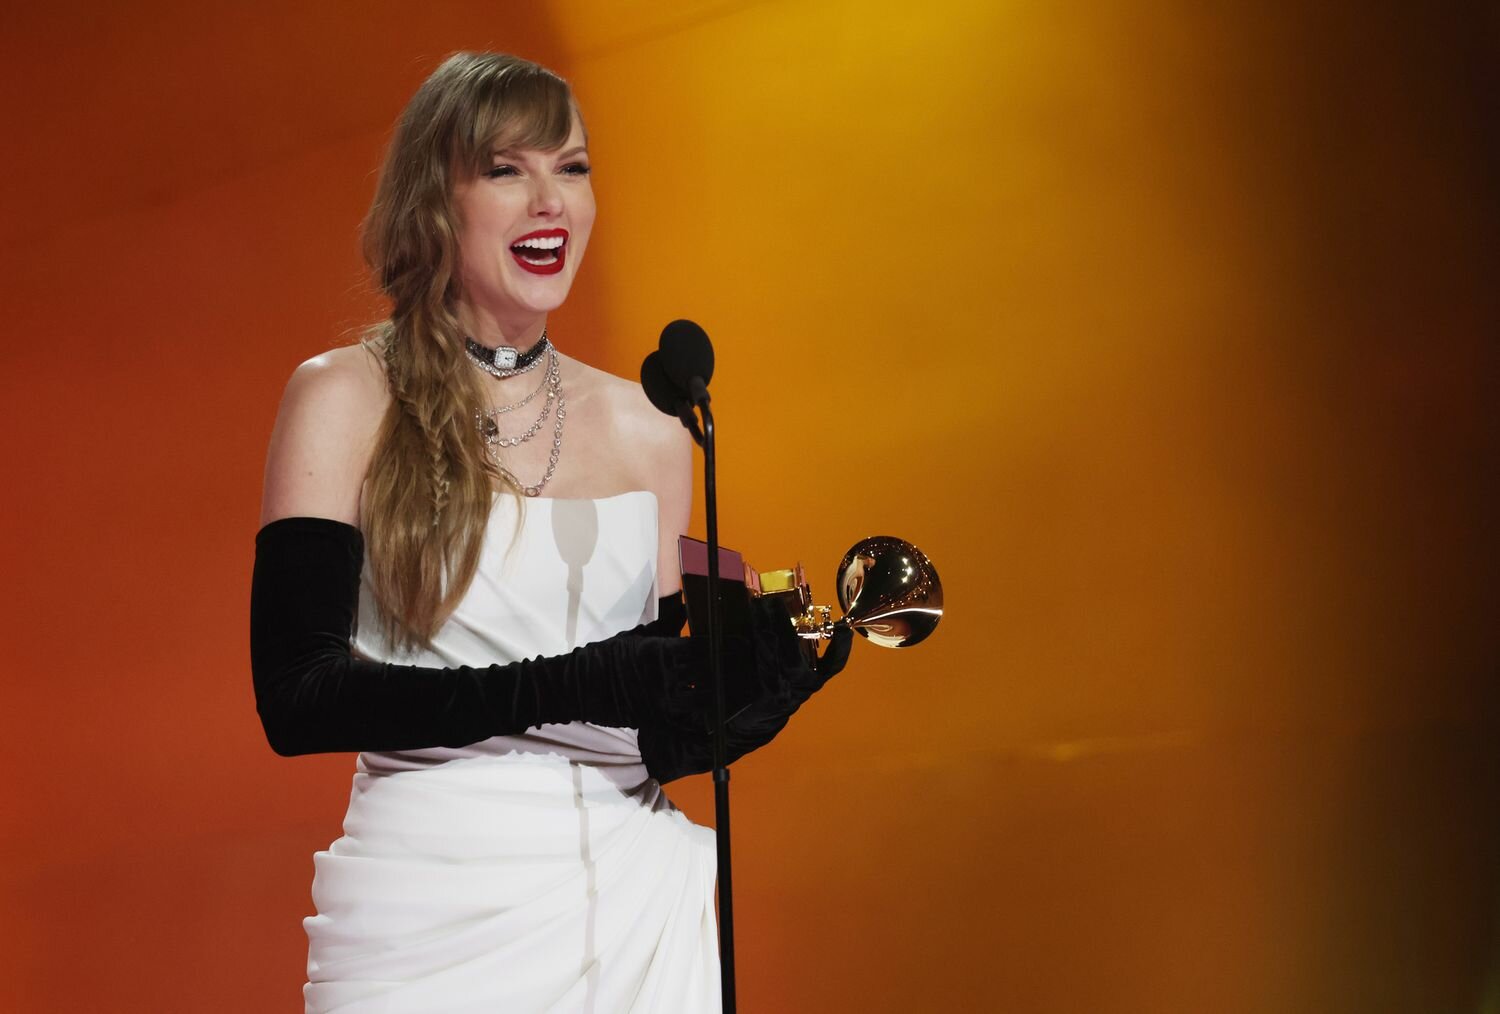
{"x": 540, "y": 872}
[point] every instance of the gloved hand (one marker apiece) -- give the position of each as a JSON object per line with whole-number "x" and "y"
{"x": 314, "y": 696}
{"x": 671, "y": 617}
{"x": 672, "y": 749}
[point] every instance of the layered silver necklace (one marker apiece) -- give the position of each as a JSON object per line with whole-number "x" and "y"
{"x": 487, "y": 420}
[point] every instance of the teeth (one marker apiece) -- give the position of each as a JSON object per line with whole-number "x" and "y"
{"x": 541, "y": 243}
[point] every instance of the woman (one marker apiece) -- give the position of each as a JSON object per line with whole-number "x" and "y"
{"x": 501, "y": 659}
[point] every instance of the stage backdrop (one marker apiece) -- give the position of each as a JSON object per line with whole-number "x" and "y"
{"x": 1166, "y": 333}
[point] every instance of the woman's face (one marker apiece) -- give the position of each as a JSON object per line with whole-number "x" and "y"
{"x": 524, "y": 224}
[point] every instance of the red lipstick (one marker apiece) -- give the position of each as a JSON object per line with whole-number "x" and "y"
{"x": 542, "y": 252}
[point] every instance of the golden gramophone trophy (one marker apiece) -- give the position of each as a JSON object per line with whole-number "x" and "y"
{"x": 888, "y": 591}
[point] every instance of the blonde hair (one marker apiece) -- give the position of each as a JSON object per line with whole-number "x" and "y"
{"x": 429, "y": 489}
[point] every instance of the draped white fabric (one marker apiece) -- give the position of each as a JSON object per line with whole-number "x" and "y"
{"x": 544, "y": 872}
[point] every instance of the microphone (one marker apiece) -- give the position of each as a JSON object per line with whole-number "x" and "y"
{"x": 675, "y": 376}
{"x": 662, "y": 392}
{"x": 687, "y": 359}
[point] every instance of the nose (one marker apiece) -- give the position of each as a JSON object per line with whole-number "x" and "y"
{"x": 546, "y": 197}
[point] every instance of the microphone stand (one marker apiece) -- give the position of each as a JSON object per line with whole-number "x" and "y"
{"x": 705, "y": 439}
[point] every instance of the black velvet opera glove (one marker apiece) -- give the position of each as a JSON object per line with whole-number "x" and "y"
{"x": 314, "y": 696}
{"x": 672, "y": 748}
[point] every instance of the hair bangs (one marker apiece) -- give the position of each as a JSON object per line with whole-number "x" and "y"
{"x": 524, "y": 107}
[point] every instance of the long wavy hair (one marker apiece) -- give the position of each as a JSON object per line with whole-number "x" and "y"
{"x": 429, "y": 490}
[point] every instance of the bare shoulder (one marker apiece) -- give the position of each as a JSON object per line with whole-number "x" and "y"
{"x": 659, "y": 440}
{"x": 347, "y": 371}
{"x": 630, "y": 415}
{"x": 658, "y": 447}
{"x": 325, "y": 433}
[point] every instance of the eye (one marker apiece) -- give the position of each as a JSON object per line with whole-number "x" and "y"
{"x": 501, "y": 170}
{"x": 576, "y": 169}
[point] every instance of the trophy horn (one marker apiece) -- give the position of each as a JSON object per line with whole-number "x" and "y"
{"x": 889, "y": 591}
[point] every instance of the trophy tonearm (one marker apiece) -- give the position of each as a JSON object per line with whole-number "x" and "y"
{"x": 888, "y": 589}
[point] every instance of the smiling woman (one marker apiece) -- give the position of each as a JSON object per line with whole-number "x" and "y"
{"x": 508, "y": 666}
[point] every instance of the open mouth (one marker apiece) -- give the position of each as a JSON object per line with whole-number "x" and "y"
{"x": 541, "y": 252}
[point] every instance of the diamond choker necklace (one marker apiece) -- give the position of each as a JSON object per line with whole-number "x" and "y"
{"x": 506, "y": 361}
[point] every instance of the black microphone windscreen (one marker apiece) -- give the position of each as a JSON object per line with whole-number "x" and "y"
{"x": 686, "y": 353}
{"x": 664, "y": 394}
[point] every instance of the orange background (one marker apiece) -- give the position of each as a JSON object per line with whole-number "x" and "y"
{"x": 1169, "y": 335}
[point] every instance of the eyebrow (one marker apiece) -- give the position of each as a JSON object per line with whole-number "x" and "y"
{"x": 512, "y": 152}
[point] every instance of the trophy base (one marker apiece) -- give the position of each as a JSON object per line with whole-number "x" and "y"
{"x": 738, "y": 581}
{"x": 734, "y": 593}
